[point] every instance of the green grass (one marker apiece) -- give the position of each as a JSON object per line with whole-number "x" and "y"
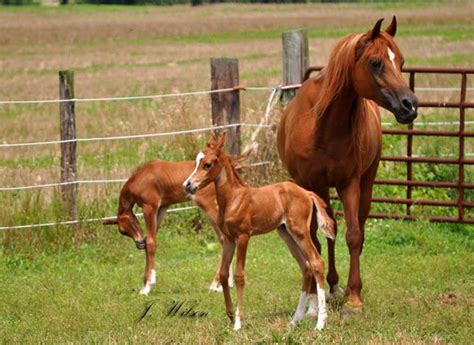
{"x": 418, "y": 287}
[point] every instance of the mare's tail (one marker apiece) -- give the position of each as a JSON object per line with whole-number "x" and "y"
{"x": 325, "y": 223}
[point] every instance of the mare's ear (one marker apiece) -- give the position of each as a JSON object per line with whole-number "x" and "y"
{"x": 373, "y": 34}
{"x": 392, "y": 28}
{"x": 110, "y": 221}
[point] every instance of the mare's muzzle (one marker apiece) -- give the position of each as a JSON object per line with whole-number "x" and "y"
{"x": 141, "y": 244}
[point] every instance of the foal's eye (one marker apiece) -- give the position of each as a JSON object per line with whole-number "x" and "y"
{"x": 376, "y": 65}
{"x": 207, "y": 166}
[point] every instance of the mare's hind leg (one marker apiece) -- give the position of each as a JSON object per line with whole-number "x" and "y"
{"x": 153, "y": 218}
{"x": 306, "y": 274}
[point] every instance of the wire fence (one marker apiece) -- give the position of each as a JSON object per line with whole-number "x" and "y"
{"x": 274, "y": 96}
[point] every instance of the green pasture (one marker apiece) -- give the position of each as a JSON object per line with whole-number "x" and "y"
{"x": 80, "y": 284}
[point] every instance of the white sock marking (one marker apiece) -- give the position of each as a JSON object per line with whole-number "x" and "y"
{"x": 149, "y": 283}
{"x": 391, "y": 55}
{"x": 322, "y": 312}
{"x": 237, "y": 324}
{"x": 199, "y": 157}
{"x": 313, "y": 306}
{"x": 215, "y": 286}
{"x": 299, "y": 313}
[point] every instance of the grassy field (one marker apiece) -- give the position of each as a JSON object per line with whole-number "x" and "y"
{"x": 81, "y": 284}
{"x": 418, "y": 288}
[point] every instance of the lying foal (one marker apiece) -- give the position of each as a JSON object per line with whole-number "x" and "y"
{"x": 245, "y": 211}
{"x": 154, "y": 187}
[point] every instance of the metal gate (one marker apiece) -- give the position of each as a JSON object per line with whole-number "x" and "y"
{"x": 409, "y": 159}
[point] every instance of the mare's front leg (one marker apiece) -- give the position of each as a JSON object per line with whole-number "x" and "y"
{"x": 152, "y": 220}
{"x": 242, "y": 242}
{"x": 354, "y": 238}
{"x": 227, "y": 254}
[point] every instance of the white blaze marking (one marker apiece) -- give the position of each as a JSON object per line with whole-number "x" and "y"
{"x": 199, "y": 157}
{"x": 391, "y": 55}
{"x": 322, "y": 313}
{"x": 299, "y": 313}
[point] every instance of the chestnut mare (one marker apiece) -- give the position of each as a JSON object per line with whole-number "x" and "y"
{"x": 330, "y": 133}
{"x": 245, "y": 211}
{"x": 154, "y": 187}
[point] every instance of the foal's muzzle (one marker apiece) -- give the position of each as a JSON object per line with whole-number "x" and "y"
{"x": 141, "y": 244}
{"x": 190, "y": 189}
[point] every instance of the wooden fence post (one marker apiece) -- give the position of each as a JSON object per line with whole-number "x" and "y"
{"x": 68, "y": 150}
{"x": 226, "y": 105}
{"x": 295, "y": 60}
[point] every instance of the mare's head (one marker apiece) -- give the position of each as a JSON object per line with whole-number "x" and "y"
{"x": 209, "y": 164}
{"x": 373, "y": 64}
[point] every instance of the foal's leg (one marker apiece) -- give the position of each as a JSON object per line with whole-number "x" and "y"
{"x": 332, "y": 276}
{"x": 227, "y": 254}
{"x": 209, "y": 206}
{"x": 216, "y": 285}
{"x": 306, "y": 274}
{"x": 152, "y": 220}
{"x": 242, "y": 242}
{"x": 316, "y": 265}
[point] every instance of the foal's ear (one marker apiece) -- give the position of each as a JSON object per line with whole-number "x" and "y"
{"x": 212, "y": 140}
{"x": 221, "y": 141}
{"x": 392, "y": 28}
{"x": 376, "y": 30}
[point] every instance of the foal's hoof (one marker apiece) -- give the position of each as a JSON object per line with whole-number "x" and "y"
{"x": 141, "y": 244}
{"x": 215, "y": 286}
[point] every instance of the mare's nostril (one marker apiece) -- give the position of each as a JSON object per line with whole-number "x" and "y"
{"x": 407, "y": 104}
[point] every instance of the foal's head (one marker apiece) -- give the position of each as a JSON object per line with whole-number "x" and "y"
{"x": 372, "y": 64}
{"x": 209, "y": 164}
{"x": 377, "y": 73}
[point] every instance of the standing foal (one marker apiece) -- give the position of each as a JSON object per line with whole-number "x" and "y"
{"x": 154, "y": 187}
{"x": 245, "y": 211}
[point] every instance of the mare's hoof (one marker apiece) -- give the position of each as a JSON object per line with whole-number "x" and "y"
{"x": 350, "y": 311}
{"x": 336, "y": 292}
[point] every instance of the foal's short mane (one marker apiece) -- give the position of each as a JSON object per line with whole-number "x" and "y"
{"x": 231, "y": 167}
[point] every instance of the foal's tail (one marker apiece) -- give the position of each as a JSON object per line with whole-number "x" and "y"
{"x": 325, "y": 223}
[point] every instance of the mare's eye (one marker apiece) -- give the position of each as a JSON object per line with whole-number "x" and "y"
{"x": 207, "y": 166}
{"x": 376, "y": 65}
